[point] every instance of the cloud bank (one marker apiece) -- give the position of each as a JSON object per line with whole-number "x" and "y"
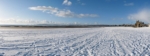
{"x": 143, "y": 15}
{"x": 61, "y": 13}
{"x": 67, "y": 2}
{"x": 22, "y": 21}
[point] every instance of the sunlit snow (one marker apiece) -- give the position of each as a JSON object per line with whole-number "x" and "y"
{"x": 102, "y": 41}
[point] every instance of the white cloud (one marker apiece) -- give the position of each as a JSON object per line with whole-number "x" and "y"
{"x": 44, "y": 8}
{"x": 129, "y": 4}
{"x": 22, "y": 21}
{"x": 143, "y": 15}
{"x": 79, "y": 1}
{"x": 67, "y": 2}
{"x": 61, "y": 13}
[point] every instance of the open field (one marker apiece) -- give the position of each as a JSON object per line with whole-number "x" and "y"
{"x": 101, "y": 41}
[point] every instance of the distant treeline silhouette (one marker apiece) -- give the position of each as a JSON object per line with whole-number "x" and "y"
{"x": 69, "y": 26}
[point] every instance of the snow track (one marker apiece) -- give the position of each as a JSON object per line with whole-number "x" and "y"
{"x": 109, "y": 41}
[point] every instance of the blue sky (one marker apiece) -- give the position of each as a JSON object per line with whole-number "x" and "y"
{"x": 74, "y": 11}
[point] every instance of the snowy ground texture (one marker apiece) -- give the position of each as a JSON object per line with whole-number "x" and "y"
{"x": 104, "y": 41}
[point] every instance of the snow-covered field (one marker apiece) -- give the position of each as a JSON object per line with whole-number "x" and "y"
{"x": 103, "y": 41}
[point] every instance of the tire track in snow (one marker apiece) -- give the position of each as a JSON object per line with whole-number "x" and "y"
{"x": 133, "y": 43}
{"x": 146, "y": 52}
{"x": 80, "y": 42}
{"x": 124, "y": 49}
{"x": 74, "y": 38}
{"x": 90, "y": 43}
{"x": 119, "y": 48}
{"x": 78, "y": 39}
{"x": 87, "y": 43}
{"x": 117, "y": 45}
{"x": 55, "y": 48}
{"x": 40, "y": 40}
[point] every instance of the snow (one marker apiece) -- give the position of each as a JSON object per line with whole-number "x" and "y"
{"x": 101, "y": 41}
